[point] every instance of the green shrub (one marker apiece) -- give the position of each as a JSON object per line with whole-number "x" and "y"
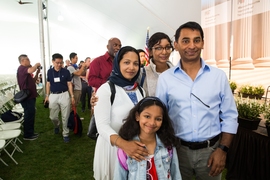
{"x": 252, "y": 89}
{"x": 249, "y": 108}
{"x": 233, "y": 85}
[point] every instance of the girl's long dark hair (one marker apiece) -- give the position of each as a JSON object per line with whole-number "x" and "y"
{"x": 131, "y": 127}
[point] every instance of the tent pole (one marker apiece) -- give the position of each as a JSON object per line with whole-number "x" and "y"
{"x": 231, "y": 42}
{"x": 41, "y": 39}
{"x": 48, "y": 34}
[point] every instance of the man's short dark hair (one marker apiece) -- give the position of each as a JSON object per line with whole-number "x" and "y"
{"x": 57, "y": 56}
{"x": 191, "y": 25}
{"x": 72, "y": 55}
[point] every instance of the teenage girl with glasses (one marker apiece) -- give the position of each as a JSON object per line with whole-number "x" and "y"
{"x": 160, "y": 48}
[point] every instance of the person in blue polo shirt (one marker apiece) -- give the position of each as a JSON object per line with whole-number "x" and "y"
{"x": 59, "y": 93}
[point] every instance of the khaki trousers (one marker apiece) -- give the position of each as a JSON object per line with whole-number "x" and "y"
{"x": 59, "y": 102}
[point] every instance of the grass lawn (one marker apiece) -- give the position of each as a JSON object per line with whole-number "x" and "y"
{"x": 48, "y": 157}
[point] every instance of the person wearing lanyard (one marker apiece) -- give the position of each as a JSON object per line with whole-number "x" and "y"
{"x": 59, "y": 93}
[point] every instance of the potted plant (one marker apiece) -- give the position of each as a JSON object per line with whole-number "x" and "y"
{"x": 233, "y": 86}
{"x": 266, "y": 115}
{"x": 249, "y": 111}
{"x": 258, "y": 90}
{"x": 251, "y": 91}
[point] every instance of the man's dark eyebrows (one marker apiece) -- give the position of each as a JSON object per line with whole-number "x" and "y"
{"x": 185, "y": 38}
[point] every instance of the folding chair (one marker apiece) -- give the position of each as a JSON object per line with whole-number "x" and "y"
{"x": 2, "y": 145}
{"x": 12, "y": 125}
{"x": 18, "y": 108}
{"x": 10, "y": 136}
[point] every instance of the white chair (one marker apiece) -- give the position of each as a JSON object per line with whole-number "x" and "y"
{"x": 2, "y": 145}
{"x": 10, "y": 136}
{"x": 18, "y": 108}
{"x": 10, "y": 126}
{"x": 40, "y": 90}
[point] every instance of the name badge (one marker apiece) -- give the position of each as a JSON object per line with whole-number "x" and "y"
{"x": 57, "y": 79}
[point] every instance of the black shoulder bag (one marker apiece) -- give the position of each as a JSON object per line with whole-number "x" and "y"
{"x": 22, "y": 95}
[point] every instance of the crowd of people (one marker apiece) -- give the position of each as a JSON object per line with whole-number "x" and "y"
{"x": 165, "y": 121}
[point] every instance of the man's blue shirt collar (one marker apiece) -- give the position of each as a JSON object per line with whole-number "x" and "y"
{"x": 204, "y": 67}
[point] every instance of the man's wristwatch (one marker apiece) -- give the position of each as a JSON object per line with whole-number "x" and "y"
{"x": 224, "y": 148}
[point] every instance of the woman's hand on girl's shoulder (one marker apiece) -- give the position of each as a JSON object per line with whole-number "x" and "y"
{"x": 135, "y": 150}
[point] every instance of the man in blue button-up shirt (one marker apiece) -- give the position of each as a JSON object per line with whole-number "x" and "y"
{"x": 201, "y": 106}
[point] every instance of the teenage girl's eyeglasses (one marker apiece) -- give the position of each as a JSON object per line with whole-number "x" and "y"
{"x": 160, "y": 49}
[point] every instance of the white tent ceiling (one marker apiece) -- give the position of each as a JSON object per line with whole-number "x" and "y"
{"x": 88, "y": 24}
